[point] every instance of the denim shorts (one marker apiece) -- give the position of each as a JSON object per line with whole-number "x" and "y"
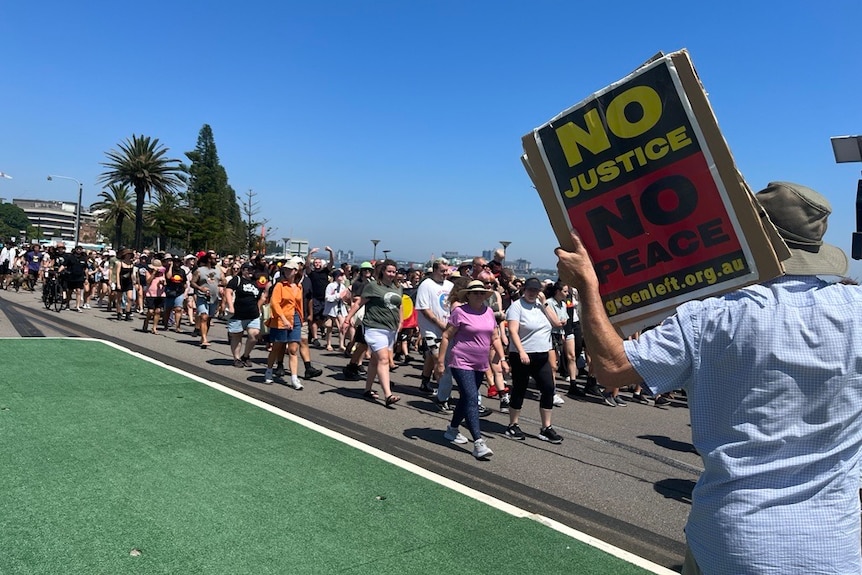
{"x": 279, "y": 335}
{"x": 240, "y": 325}
{"x": 204, "y": 307}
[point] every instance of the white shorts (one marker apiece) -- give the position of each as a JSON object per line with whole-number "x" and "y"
{"x": 378, "y": 339}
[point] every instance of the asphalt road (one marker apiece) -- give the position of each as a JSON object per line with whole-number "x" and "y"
{"x": 623, "y": 475}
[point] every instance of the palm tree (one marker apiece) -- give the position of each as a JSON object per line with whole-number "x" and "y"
{"x": 141, "y": 163}
{"x": 166, "y": 218}
{"x": 115, "y": 205}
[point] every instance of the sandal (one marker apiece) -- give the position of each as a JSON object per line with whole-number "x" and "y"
{"x": 392, "y": 399}
{"x": 370, "y": 394}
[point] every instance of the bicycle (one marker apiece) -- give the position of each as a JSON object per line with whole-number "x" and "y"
{"x": 52, "y": 293}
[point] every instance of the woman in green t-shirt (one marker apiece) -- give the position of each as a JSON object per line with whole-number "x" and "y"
{"x": 382, "y": 301}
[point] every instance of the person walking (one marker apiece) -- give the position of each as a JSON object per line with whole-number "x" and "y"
{"x": 774, "y": 385}
{"x": 243, "y": 300}
{"x": 206, "y": 281}
{"x": 529, "y": 351}
{"x": 382, "y": 302}
{"x": 471, "y": 333}
{"x": 285, "y": 323}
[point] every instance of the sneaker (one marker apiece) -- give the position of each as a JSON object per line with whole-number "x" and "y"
{"x": 548, "y": 434}
{"x": 481, "y": 449}
{"x": 351, "y": 371}
{"x": 79, "y": 310}
{"x": 619, "y": 401}
{"x": 504, "y": 403}
{"x": 485, "y": 411}
{"x": 514, "y": 432}
{"x": 246, "y": 361}
{"x": 312, "y": 372}
{"x": 315, "y": 342}
{"x": 452, "y": 434}
{"x": 661, "y": 400}
{"x": 609, "y": 400}
{"x": 442, "y": 405}
{"x": 558, "y": 401}
{"x": 295, "y": 384}
{"x": 575, "y": 391}
{"x": 425, "y": 387}
{"x": 85, "y": 306}
{"x": 640, "y": 398}
{"x": 592, "y": 388}
{"x": 360, "y": 369}
{"x": 279, "y": 370}
{"x": 492, "y": 392}
{"x": 238, "y": 363}
{"x": 267, "y": 378}
{"x": 398, "y": 357}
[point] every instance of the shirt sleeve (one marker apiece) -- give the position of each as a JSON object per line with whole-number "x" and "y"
{"x": 665, "y": 356}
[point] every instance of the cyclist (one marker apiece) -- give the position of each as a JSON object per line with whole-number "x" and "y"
{"x": 75, "y": 266}
{"x": 61, "y": 269}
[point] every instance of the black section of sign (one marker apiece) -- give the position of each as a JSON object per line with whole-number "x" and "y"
{"x": 622, "y": 150}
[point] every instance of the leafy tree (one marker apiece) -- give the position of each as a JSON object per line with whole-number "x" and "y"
{"x": 141, "y": 163}
{"x": 211, "y": 199}
{"x": 13, "y": 220}
{"x": 116, "y": 207}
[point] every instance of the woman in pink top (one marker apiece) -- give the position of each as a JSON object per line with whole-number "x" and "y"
{"x": 472, "y": 334}
{"x": 154, "y": 299}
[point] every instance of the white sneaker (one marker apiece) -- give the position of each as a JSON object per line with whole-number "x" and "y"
{"x": 452, "y": 434}
{"x": 268, "y": 377}
{"x": 295, "y": 384}
{"x": 558, "y": 400}
{"x": 481, "y": 449}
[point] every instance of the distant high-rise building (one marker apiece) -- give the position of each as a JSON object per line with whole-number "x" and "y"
{"x": 55, "y": 220}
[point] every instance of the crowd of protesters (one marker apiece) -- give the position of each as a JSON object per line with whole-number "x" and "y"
{"x": 378, "y": 315}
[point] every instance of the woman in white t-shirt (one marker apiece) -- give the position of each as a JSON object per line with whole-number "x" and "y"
{"x": 529, "y": 346}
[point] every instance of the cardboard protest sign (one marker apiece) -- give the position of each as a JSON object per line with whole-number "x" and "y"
{"x": 641, "y": 170}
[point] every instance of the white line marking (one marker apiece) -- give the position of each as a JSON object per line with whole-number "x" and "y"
{"x": 406, "y": 465}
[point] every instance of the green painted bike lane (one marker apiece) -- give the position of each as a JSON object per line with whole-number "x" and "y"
{"x": 114, "y": 464}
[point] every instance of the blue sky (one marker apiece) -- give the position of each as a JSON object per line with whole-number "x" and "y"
{"x": 402, "y": 120}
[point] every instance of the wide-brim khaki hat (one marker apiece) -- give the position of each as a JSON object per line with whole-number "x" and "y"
{"x": 799, "y": 213}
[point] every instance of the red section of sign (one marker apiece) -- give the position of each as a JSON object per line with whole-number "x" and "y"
{"x": 705, "y": 233}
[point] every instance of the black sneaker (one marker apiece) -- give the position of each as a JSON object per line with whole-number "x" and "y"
{"x": 485, "y": 411}
{"x": 592, "y": 388}
{"x": 360, "y": 369}
{"x": 246, "y": 361}
{"x": 315, "y": 342}
{"x": 238, "y": 363}
{"x": 661, "y": 400}
{"x": 640, "y": 398}
{"x": 399, "y": 358}
{"x": 504, "y": 403}
{"x": 514, "y": 432}
{"x": 575, "y": 391}
{"x": 312, "y": 372}
{"x": 548, "y": 434}
{"x": 279, "y": 370}
{"x": 442, "y": 405}
{"x": 351, "y": 371}
{"x": 425, "y": 387}
{"x": 609, "y": 400}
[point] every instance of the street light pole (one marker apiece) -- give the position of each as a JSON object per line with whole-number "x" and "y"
{"x": 77, "y": 208}
{"x": 386, "y": 254}
{"x": 505, "y": 245}
{"x": 375, "y": 242}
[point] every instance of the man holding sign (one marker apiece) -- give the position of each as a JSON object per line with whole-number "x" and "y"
{"x": 772, "y": 374}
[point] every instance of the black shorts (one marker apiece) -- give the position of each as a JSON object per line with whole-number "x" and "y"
{"x": 317, "y": 309}
{"x": 75, "y": 284}
{"x": 359, "y": 335}
{"x": 4, "y": 269}
{"x": 154, "y": 302}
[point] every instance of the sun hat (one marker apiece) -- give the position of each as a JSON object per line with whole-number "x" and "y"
{"x": 475, "y": 286}
{"x": 124, "y": 252}
{"x": 190, "y": 257}
{"x": 167, "y": 257}
{"x": 290, "y": 265}
{"x": 533, "y": 283}
{"x": 799, "y": 213}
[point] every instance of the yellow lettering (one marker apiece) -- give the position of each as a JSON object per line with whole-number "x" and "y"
{"x": 608, "y": 171}
{"x": 594, "y": 138}
{"x": 656, "y": 149}
{"x": 650, "y": 104}
{"x": 678, "y": 139}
